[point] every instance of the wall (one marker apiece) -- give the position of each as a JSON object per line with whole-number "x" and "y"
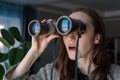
{"x": 113, "y": 28}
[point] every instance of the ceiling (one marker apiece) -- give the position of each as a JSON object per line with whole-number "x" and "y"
{"x": 107, "y": 8}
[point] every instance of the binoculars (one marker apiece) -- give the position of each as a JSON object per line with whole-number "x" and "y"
{"x": 63, "y": 26}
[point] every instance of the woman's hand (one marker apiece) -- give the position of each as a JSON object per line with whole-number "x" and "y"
{"x": 39, "y": 43}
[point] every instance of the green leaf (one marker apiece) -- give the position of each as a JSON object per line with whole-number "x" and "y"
{"x": 4, "y": 42}
{"x": 7, "y": 66}
{"x": 27, "y": 45}
{"x": 15, "y": 32}
{"x": 3, "y": 57}
{"x": 15, "y": 55}
{"x": 7, "y": 36}
{"x": 2, "y": 71}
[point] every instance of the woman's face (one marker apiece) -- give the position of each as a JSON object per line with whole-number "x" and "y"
{"x": 87, "y": 40}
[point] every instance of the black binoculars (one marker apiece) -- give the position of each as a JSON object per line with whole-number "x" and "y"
{"x": 63, "y": 26}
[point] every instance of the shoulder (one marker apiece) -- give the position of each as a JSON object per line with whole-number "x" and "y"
{"x": 47, "y": 71}
{"x": 49, "y": 66}
{"x": 115, "y": 71}
{"x": 114, "y": 68}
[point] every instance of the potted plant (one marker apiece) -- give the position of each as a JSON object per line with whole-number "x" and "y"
{"x": 15, "y": 53}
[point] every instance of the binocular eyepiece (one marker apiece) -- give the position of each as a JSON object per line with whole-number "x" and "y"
{"x": 63, "y": 26}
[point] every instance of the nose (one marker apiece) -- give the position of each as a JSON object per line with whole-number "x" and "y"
{"x": 72, "y": 36}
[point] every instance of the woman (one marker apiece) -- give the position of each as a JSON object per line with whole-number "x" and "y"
{"x": 93, "y": 63}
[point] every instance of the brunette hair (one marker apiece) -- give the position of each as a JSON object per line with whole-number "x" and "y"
{"x": 65, "y": 66}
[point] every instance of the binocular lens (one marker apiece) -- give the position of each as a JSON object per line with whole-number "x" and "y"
{"x": 64, "y": 25}
{"x": 34, "y": 28}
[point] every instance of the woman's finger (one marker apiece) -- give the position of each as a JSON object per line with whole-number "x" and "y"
{"x": 51, "y": 37}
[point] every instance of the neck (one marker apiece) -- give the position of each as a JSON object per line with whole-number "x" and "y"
{"x": 85, "y": 66}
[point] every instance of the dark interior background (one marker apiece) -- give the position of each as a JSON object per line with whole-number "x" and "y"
{"x": 45, "y": 9}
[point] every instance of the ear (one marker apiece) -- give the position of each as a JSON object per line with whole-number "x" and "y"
{"x": 97, "y": 38}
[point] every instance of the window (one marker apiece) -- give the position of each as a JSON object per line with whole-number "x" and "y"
{"x": 10, "y": 15}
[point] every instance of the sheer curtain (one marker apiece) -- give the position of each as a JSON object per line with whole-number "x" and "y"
{"x": 10, "y": 15}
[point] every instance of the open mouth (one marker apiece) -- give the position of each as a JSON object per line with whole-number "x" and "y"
{"x": 72, "y": 48}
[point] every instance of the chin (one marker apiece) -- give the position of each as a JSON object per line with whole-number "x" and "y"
{"x": 72, "y": 58}
{"x": 71, "y": 55}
